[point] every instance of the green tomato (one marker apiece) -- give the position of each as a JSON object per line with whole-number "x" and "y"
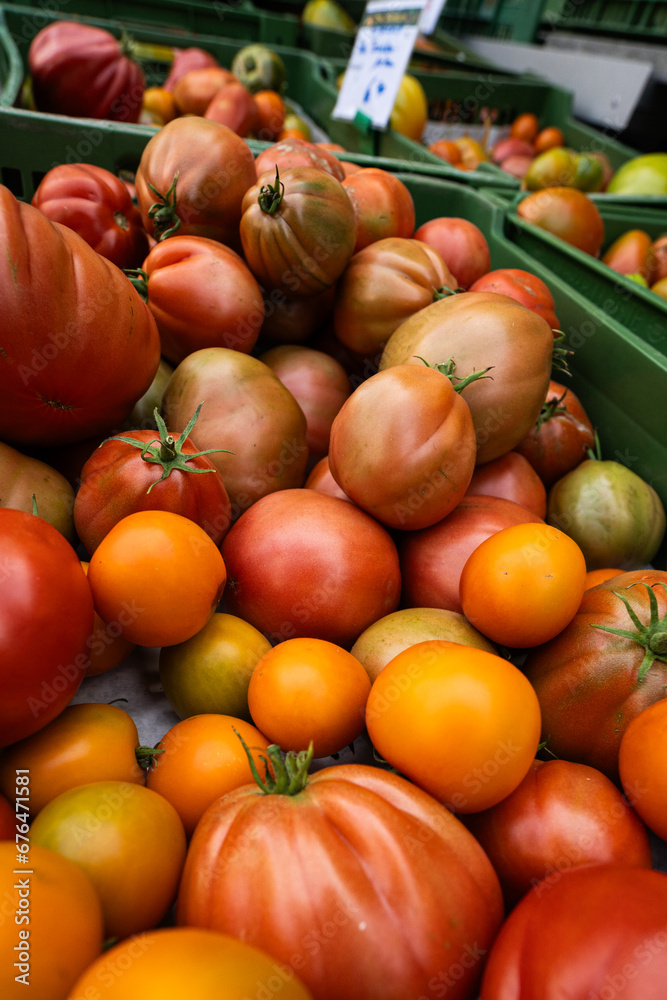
{"x": 643, "y": 175}
{"x": 615, "y": 516}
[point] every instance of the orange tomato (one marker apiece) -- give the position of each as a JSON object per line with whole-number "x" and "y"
{"x": 51, "y": 925}
{"x": 642, "y": 765}
{"x": 525, "y": 126}
{"x": 595, "y": 576}
{"x": 186, "y": 962}
{"x": 270, "y": 114}
{"x": 159, "y": 104}
{"x": 549, "y": 138}
{"x": 157, "y": 576}
{"x": 202, "y": 758}
{"x": 521, "y": 586}
{"x": 567, "y": 213}
{"x": 447, "y": 150}
{"x": 87, "y": 742}
{"x": 108, "y": 647}
{"x": 309, "y": 689}
{"x": 127, "y": 839}
{"x": 472, "y": 153}
{"x": 461, "y": 723}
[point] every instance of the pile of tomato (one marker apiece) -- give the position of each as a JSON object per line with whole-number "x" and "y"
{"x": 327, "y": 464}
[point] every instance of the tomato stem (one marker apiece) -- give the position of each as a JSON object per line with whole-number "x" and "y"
{"x": 448, "y": 368}
{"x": 290, "y": 770}
{"x": 162, "y": 212}
{"x": 271, "y": 195}
{"x": 653, "y": 637}
{"x": 145, "y": 756}
{"x": 167, "y": 451}
{"x": 139, "y": 279}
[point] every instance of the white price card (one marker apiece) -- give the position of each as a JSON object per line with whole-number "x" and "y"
{"x": 430, "y": 15}
{"x": 382, "y": 49}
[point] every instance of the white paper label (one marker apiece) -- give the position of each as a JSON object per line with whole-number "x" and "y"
{"x": 382, "y": 50}
{"x": 429, "y": 20}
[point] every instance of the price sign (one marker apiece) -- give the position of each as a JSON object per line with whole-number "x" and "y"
{"x": 429, "y": 20}
{"x": 382, "y": 49}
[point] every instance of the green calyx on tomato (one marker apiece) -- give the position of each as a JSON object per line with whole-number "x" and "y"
{"x": 448, "y": 368}
{"x": 290, "y": 772}
{"x": 271, "y": 196}
{"x": 170, "y": 453}
{"x": 552, "y": 407}
{"x": 653, "y": 637}
{"x": 162, "y": 212}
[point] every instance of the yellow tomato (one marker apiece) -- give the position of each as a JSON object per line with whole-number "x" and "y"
{"x": 410, "y": 111}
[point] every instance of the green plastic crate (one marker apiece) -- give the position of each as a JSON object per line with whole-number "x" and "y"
{"x": 11, "y": 66}
{"x": 240, "y": 19}
{"x": 640, "y": 20}
{"x": 310, "y": 84}
{"x": 512, "y": 20}
{"x": 634, "y": 307}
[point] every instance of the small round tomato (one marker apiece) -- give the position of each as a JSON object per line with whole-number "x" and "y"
{"x": 186, "y": 962}
{"x": 158, "y": 575}
{"x": 447, "y": 150}
{"x": 159, "y": 104}
{"x": 211, "y": 671}
{"x": 196, "y": 89}
{"x": 550, "y": 137}
{"x": 309, "y": 690}
{"x": 271, "y": 112}
{"x": 562, "y": 815}
{"x": 87, "y": 742}
{"x": 461, "y": 723}
{"x": 128, "y": 840}
{"x": 44, "y": 912}
{"x": 525, "y": 126}
{"x": 642, "y": 765}
{"x": 561, "y": 436}
{"x": 523, "y": 585}
{"x": 461, "y": 244}
{"x": 201, "y": 758}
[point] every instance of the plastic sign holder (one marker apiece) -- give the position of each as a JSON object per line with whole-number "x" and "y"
{"x": 382, "y": 50}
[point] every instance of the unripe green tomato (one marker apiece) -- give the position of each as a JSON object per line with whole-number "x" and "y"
{"x": 615, "y": 516}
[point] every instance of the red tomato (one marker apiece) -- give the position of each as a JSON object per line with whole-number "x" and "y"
{"x": 83, "y": 71}
{"x": 523, "y": 286}
{"x": 184, "y": 961}
{"x": 79, "y": 345}
{"x": 99, "y": 825}
{"x": 314, "y": 854}
{"x": 447, "y": 150}
{"x": 195, "y": 89}
{"x": 320, "y": 479}
{"x": 97, "y": 205}
{"x": 201, "y": 171}
{"x": 201, "y": 758}
{"x": 432, "y": 559}
{"x": 561, "y": 437}
{"x": 406, "y": 473}
{"x": 461, "y": 244}
{"x": 480, "y": 330}
{"x": 296, "y": 152}
{"x": 561, "y": 815}
{"x": 382, "y": 204}
{"x": 320, "y": 386}
{"x": 567, "y": 213}
{"x": 631, "y": 253}
{"x": 271, "y": 112}
{"x": 523, "y": 585}
{"x": 592, "y": 682}
{"x": 642, "y": 765}
{"x": 382, "y": 285}
{"x": 137, "y": 471}
{"x": 595, "y": 931}
{"x": 511, "y": 476}
{"x": 233, "y": 105}
{"x": 46, "y": 611}
{"x": 158, "y": 575}
{"x": 292, "y": 321}
{"x": 227, "y": 309}
{"x": 309, "y": 691}
{"x": 185, "y": 60}
{"x": 297, "y": 230}
{"x": 462, "y": 723}
{"x": 342, "y": 567}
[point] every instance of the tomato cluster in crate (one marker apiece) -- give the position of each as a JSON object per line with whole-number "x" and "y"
{"x": 317, "y": 451}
